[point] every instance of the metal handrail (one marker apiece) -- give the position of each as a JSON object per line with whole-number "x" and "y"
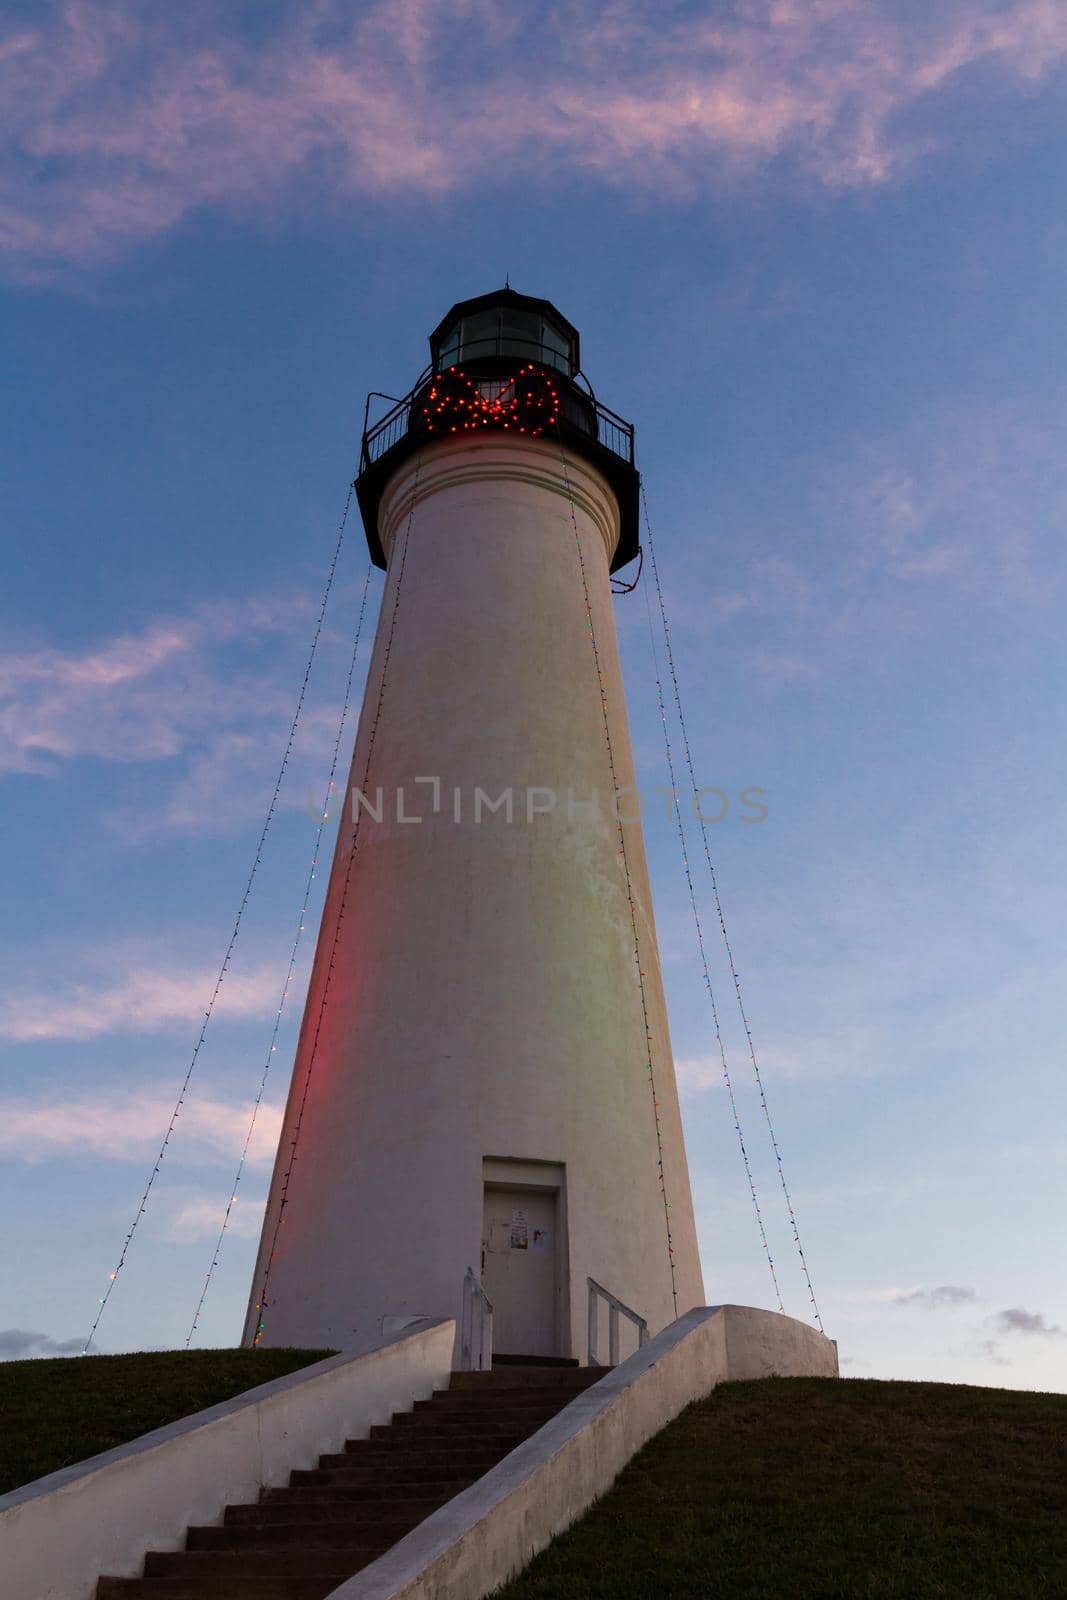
{"x": 476, "y": 1333}
{"x": 616, "y": 1308}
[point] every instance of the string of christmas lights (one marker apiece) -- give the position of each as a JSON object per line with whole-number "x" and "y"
{"x": 456, "y": 403}
{"x": 675, "y": 791}
{"x": 722, "y": 920}
{"x": 224, "y": 968}
{"x": 656, "y": 1106}
{"x": 263, "y": 1304}
{"x": 324, "y": 817}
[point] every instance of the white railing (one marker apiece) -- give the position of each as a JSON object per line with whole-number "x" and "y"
{"x": 476, "y": 1334}
{"x": 616, "y": 1308}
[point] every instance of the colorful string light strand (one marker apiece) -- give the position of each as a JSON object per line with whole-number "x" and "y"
{"x": 719, "y": 910}
{"x": 324, "y": 817}
{"x": 656, "y": 1107}
{"x": 686, "y": 866}
{"x": 153, "y": 1175}
{"x": 262, "y": 1305}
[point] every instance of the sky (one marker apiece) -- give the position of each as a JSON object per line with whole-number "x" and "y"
{"x": 815, "y": 251}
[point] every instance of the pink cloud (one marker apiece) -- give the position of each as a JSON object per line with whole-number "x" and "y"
{"x": 134, "y": 999}
{"x": 129, "y": 1126}
{"x": 56, "y": 703}
{"x": 201, "y": 1218}
{"x": 171, "y": 692}
{"x": 124, "y": 118}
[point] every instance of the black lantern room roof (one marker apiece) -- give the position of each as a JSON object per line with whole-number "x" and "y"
{"x": 509, "y": 319}
{"x": 503, "y": 361}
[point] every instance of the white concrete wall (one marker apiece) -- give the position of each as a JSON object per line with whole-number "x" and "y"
{"x": 58, "y": 1535}
{"x": 761, "y": 1344}
{"x": 484, "y": 1001}
{"x": 493, "y": 1529}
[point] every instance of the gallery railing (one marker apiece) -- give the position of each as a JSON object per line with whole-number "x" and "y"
{"x": 579, "y": 409}
{"x": 476, "y": 1331}
{"x": 616, "y": 1309}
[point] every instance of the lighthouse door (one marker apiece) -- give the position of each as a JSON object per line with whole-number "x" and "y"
{"x": 519, "y": 1269}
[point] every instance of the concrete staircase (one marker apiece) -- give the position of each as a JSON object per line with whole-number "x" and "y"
{"x": 301, "y": 1542}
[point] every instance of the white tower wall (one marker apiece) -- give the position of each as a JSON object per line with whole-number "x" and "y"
{"x": 484, "y": 1002}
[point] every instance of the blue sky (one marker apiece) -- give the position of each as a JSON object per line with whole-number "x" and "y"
{"x": 815, "y": 252}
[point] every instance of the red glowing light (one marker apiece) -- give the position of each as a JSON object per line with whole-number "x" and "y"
{"x": 492, "y": 402}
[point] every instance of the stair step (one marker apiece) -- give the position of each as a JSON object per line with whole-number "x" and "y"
{"x": 323, "y": 1534}
{"x": 552, "y": 1363}
{"x": 444, "y": 1455}
{"x": 474, "y": 1424}
{"x": 466, "y": 1418}
{"x": 461, "y": 1428}
{"x": 407, "y": 1442}
{"x": 380, "y": 1517}
{"x": 391, "y": 1479}
{"x": 551, "y": 1378}
{"x": 314, "y": 1561}
{"x": 462, "y": 1432}
{"x": 490, "y": 1401}
{"x": 356, "y": 1494}
{"x": 481, "y": 1417}
{"x": 359, "y": 1488}
{"x": 347, "y": 1478}
{"x": 224, "y": 1588}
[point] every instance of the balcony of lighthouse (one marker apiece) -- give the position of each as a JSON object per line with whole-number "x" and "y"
{"x": 500, "y": 369}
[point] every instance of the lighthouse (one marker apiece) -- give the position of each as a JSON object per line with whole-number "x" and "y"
{"x": 483, "y": 1099}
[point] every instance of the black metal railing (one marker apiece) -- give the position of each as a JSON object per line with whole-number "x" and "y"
{"x": 585, "y": 412}
{"x": 615, "y": 432}
{"x": 386, "y": 432}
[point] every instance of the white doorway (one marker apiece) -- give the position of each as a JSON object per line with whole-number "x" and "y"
{"x": 521, "y": 1262}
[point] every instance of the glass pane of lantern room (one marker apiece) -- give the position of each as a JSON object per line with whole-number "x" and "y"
{"x": 520, "y": 334}
{"x": 449, "y": 352}
{"x": 557, "y": 347}
{"x": 480, "y": 335}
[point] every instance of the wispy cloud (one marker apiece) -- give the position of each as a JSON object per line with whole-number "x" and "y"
{"x": 698, "y": 1074}
{"x": 134, "y": 697}
{"x": 815, "y": 1058}
{"x": 122, "y": 119}
{"x": 199, "y": 691}
{"x": 127, "y": 996}
{"x": 958, "y": 512}
{"x": 953, "y": 501}
{"x": 863, "y": 1299}
{"x": 128, "y": 1127}
{"x": 60, "y": 704}
{"x": 945, "y": 1297}
{"x": 1016, "y": 1320}
{"x": 19, "y": 1344}
{"x": 200, "y": 1218}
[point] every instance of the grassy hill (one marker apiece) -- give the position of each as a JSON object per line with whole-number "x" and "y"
{"x": 58, "y": 1412}
{"x": 811, "y": 1489}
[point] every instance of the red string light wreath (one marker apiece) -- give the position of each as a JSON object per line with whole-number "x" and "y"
{"x": 526, "y": 402}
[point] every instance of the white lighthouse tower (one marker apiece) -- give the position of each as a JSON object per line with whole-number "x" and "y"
{"x": 484, "y": 1087}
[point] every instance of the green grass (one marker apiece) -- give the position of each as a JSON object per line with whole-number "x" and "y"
{"x": 814, "y": 1489}
{"x": 58, "y": 1412}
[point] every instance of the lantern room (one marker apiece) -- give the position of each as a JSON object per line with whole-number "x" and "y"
{"x": 509, "y": 325}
